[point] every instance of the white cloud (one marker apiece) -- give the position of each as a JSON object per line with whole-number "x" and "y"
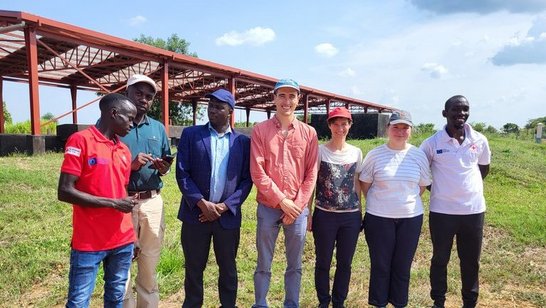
{"x": 256, "y": 36}
{"x": 348, "y": 72}
{"x": 326, "y": 49}
{"x": 528, "y": 48}
{"x": 136, "y": 20}
{"x": 435, "y": 70}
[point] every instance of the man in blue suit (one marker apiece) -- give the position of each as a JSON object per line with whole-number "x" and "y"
{"x": 213, "y": 174}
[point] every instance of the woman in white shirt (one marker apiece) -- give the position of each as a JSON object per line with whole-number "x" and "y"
{"x": 337, "y": 217}
{"x": 393, "y": 178}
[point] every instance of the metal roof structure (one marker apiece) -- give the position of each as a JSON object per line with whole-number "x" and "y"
{"x": 41, "y": 51}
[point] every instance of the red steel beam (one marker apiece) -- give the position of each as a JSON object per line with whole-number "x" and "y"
{"x": 82, "y": 106}
{"x": 73, "y": 34}
{"x": 74, "y": 96}
{"x": 72, "y": 65}
{"x": 32, "y": 63}
{"x": 233, "y": 90}
{"x": 165, "y": 95}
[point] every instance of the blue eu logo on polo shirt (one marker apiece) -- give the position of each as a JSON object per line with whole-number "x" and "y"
{"x": 92, "y": 161}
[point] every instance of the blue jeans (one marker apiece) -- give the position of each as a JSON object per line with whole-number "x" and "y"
{"x": 84, "y": 266}
{"x": 294, "y": 240}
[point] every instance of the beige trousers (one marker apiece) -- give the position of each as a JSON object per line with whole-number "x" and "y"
{"x": 149, "y": 224}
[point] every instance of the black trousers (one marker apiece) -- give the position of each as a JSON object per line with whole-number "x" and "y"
{"x": 196, "y": 239}
{"x": 339, "y": 231}
{"x": 469, "y": 232}
{"x": 392, "y": 243}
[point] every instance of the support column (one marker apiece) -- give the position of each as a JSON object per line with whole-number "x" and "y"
{"x": 347, "y": 105}
{"x": 247, "y": 116}
{"x": 233, "y": 90}
{"x": 268, "y": 112}
{"x": 2, "y": 120}
{"x": 366, "y": 109}
{"x": 328, "y": 107}
{"x": 165, "y": 96}
{"x": 32, "y": 64}
{"x": 305, "y": 107}
{"x": 194, "y": 111}
{"x": 74, "y": 96}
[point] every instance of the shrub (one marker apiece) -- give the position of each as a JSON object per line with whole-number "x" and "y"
{"x": 24, "y": 128}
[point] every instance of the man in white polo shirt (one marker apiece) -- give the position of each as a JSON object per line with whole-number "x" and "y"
{"x": 459, "y": 158}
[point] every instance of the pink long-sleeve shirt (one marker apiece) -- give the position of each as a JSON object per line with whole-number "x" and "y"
{"x": 283, "y": 166}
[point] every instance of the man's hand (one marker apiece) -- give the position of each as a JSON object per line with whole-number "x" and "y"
{"x": 290, "y": 209}
{"x": 209, "y": 211}
{"x": 125, "y": 205}
{"x": 287, "y": 220}
{"x": 161, "y": 165}
{"x": 140, "y": 160}
{"x": 220, "y": 208}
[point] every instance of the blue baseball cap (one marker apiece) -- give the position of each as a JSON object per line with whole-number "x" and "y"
{"x": 224, "y": 96}
{"x": 286, "y": 83}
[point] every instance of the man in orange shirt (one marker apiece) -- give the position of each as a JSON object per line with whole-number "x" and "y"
{"x": 283, "y": 167}
{"x": 94, "y": 177}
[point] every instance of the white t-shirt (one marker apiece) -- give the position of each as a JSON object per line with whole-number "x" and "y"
{"x": 458, "y": 184}
{"x": 395, "y": 177}
{"x": 338, "y": 189}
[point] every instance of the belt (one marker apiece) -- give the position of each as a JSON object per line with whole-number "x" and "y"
{"x": 146, "y": 194}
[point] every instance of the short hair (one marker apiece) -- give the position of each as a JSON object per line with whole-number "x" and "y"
{"x": 111, "y": 100}
{"x": 452, "y": 100}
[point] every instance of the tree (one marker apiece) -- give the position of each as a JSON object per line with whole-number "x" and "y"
{"x": 490, "y": 129}
{"x": 531, "y": 124}
{"x": 7, "y": 116}
{"x": 425, "y": 128}
{"x": 180, "y": 112}
{"x": 478, "y": 126}
{"x": 48, "y": 116}
{"x": 509, "y": 128}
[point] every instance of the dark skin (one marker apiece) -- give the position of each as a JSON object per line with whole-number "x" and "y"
{"x": 219, "y": 114}
{"x": 142, "y": 96}
{"x": 456, "y": 112}
{"x": 117, "y": 120}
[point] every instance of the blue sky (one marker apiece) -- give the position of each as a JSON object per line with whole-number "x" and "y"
{"x": 410, "y": 54}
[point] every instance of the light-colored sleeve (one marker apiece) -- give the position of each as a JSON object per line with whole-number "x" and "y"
{"x": 366, "y": 175}
{"x": 426, "y": 148}
{"x": 485, "y": 156}
{"x": 424, "y": 167}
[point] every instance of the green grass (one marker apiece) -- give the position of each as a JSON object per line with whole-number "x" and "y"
{"x": 35, "y": 233}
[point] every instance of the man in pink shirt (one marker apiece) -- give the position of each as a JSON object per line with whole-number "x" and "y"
{"x": 283, "y": 167}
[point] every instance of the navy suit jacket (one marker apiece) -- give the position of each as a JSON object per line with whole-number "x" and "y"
{"x": 193, "y": 171}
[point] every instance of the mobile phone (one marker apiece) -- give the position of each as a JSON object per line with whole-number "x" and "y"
{"x": 169, "y": 158}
